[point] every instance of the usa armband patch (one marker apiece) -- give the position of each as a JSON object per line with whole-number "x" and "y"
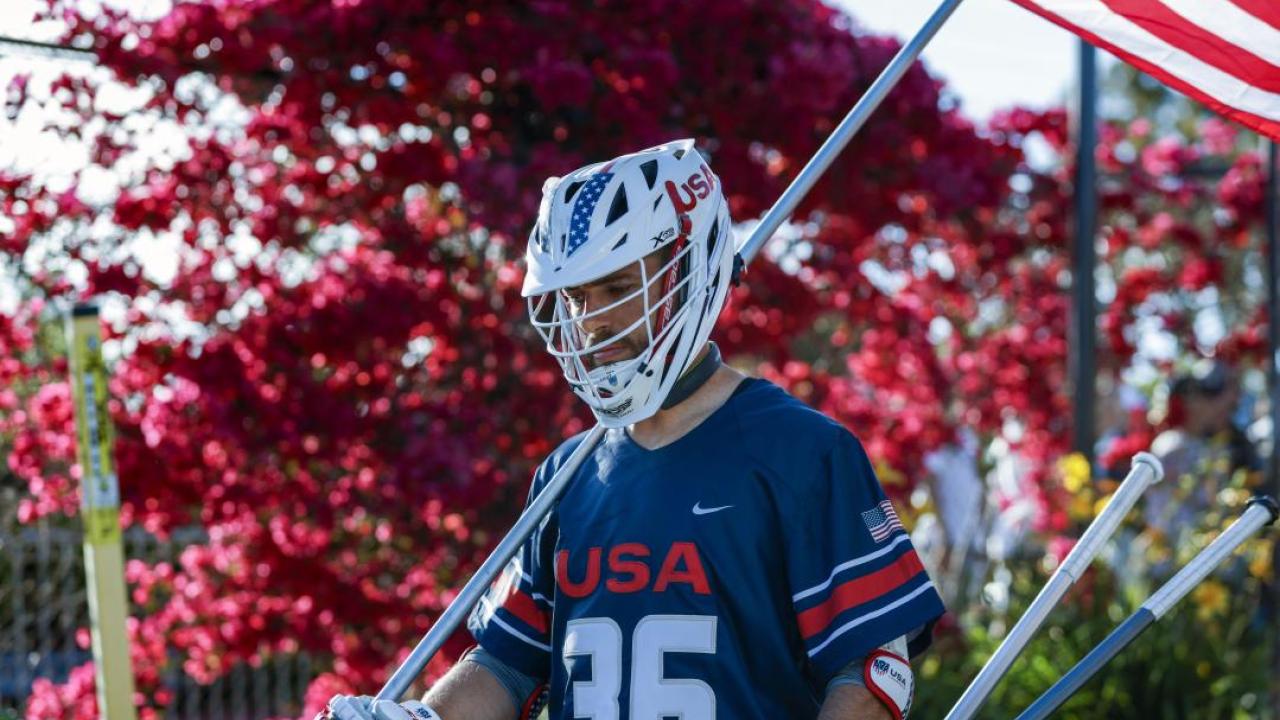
{"x": 888, "y": 677}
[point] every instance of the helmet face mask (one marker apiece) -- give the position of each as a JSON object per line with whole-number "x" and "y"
{"x": 655, "y": 310}
{"x": 657, "y": 271}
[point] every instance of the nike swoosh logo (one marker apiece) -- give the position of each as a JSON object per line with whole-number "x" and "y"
{"x": 699, "y": 510}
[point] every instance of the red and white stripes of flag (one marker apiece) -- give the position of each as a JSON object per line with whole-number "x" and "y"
{"x": 1224, "y": 53}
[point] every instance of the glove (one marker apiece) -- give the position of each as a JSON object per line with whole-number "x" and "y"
{"x": 364, "y": 707}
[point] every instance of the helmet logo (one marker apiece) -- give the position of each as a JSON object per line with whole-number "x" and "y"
{"x": 618, "y": 409}
{"x": 696, "y": 188}
{"x": 663, "y": 236}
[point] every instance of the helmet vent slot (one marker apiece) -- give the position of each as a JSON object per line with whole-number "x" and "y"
{"x": 650, "y": 170}
{"x": 619, "y": 206}
{"x": 571, "y": 191}
{"x": 620, "y": 242}
{"x": 679, "y": 153}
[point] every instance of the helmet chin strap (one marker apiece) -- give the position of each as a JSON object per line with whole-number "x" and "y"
{"x": 694, "y": 378}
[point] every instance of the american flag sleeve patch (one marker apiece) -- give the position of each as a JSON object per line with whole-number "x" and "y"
{"x": 881, "y": 521}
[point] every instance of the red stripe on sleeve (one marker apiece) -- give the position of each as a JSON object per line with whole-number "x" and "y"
{"x": 1267, "y": 11}
{"x": 524, "y": 608}
{"x": 858, "y": 591}
{"x": 1157, "y": 19}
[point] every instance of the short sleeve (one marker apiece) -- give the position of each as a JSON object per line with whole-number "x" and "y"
{"x": 856, "y": 580}
{"x": 512, "y": 621}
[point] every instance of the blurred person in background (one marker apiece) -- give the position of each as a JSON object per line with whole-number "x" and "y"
{"x": 1202, "y": 448}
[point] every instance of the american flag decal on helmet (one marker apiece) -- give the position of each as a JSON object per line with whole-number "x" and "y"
{"x": 583, "y": 207}
{"x": 881, "y": 521}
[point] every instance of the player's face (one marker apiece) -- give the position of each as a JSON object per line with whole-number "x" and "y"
{"x": 585, "y": 302}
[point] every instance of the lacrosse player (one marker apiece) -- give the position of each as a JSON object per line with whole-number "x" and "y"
{"x": 725, "y": 551}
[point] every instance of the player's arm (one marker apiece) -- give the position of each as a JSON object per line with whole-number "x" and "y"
{"x": 852, "y": 702}
{"x": 467, "y": 692}
{"x": 483, "y": 687}
{"x": 879, "y": 686}
{"x": 478, "y": 687}
{"x": 843, "y": 574}
{"x": 470, "y": 692}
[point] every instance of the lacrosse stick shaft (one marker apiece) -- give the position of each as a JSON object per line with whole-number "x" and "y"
{"x": 456, "y": 613}
{"x": 1261, "y": 511}
{"x": 471, "y": 593}
{"x": 1146, "y": 471}
{"x": 844, "y": 132}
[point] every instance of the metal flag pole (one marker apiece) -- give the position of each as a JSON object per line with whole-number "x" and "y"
{"x": 1145, "y": 472}
{"x": 845, "y": 131}
{"x": 471, "y": 593}
{"x": 1260, "y": 512}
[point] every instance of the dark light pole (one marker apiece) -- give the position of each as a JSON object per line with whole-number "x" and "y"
{"x": 1272, "y": 210}
{"x": 1083, "y": 302}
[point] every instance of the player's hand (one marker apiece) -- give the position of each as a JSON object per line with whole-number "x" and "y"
{"x": 364, "y": 707}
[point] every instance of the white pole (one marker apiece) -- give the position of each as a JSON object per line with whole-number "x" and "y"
{"x": 1262, "y": 511}
{"x": 1145, "y": 472}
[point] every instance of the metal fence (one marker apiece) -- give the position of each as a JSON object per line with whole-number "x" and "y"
{"x": 43, "y": 603}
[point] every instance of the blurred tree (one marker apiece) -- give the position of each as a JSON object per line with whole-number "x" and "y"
{"x": 1182, "y": 195}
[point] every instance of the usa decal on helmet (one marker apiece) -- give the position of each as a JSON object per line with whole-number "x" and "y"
{"x": 697, "y": 187}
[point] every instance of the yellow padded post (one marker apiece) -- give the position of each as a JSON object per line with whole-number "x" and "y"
{"x": 100, "y": 512}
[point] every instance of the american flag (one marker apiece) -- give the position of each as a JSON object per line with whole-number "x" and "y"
{"x": 881, "y": 521}
{"x": 584, "y": 205}
{"x": 1224, "y": 53}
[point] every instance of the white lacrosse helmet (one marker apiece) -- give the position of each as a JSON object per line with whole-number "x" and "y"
{"x": 602, "y": 218}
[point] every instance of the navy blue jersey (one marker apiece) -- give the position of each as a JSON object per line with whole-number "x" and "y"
{"x": 728, "y": 574}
